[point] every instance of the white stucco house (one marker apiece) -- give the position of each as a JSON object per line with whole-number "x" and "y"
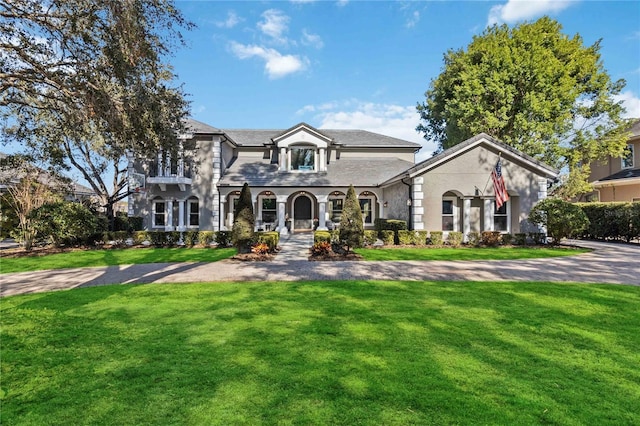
{"x": 300, "y": 175}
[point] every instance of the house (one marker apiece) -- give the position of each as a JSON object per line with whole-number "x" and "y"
{"x": 299, "y": 178}
{"x": 618, "y": 179}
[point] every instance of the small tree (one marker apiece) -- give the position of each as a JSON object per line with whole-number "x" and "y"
{"x": 243, "y": 222}
{"x": 562, "y": 219}
{"x": 351, "y": 225}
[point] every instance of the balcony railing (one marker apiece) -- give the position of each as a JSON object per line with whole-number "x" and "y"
{"x": 174, "y": 169}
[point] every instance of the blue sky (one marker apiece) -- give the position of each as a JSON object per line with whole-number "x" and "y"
{"x": 363, "y": 64}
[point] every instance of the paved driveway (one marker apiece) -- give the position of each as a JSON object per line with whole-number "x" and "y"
{"x": 608, "y": 263}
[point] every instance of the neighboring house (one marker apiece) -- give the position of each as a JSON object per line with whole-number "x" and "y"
{"x": 618, "y": 179}
{"x": 299, "y": 178}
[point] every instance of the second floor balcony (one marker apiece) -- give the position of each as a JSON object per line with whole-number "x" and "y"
{"x": 174, "y": 172}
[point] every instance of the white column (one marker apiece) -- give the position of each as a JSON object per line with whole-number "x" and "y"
{"x": 167, "y": 164}
{"x": 282, "y": 200}
{"x": 466, "y": 218}
{"x": 323, "y": 160}
{"x": 169, "y": 207}
{"x": 181, "y": 207}
{"x": 316, "y": 167}
{"x": 283, "y": 159}
{"x": 160, "y": 164}
{"x": 221, "y": 225}
{"x": 322, "y": 212}
{"x": 488, "y": 215}
{"x": 181, "y": 159}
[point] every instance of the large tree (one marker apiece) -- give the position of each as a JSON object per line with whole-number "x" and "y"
{"x": 243, "y": 221}
{"x": 351, "y": 223}
{"x": 82, "y": 82}
{"x": 534, "y": 88}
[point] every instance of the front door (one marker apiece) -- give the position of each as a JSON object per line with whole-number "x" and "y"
{"x": 302, "y": 214}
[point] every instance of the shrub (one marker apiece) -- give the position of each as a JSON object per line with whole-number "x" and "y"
{"x": 321, "y": 236}
{"x": 223, "y": 238}
{"x": 140, "y": 236}
{"x": 260, "y": 248}
{"x": 270, "y": 238}
{"x": 436, "y": 238}
{"x": 421, "y": 237}
{"x": 335, "y": 236}
{"x": 158, "y": 238}
{"x": 388, "y": 237}
{"x": 394, "y": 225}
{"x": 454, "y": 238}
{"x": 491, "y": 238}
{"x": 191, "y": 238}
{"x": 64, "y": 222}
{"x": 172, "y": 238}
{"x": 507, "y": 239}
{"x": 562, "y": 219}
{"x": 538, "y": 238}
{"x": 122, "y": 222}
{"x": 243, "y": 222}
{"x": 475, "y": 238}
{"x": 406, "y": 237}
{"x": 612, "y": 220}
{"x": 370, "y": 237}
{"x": 351, "y": 226}
{"x": 520, "y": 239}
{"x": 322, "y": 248}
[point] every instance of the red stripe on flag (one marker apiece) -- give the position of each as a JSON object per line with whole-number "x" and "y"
{"x": 499, "y": 187}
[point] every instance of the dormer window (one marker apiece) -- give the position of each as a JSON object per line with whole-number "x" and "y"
{"x": 302, "y": 158}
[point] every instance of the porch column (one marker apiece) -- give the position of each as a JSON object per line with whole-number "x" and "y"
{"x": 169, "y": 207}
{"x": 282, "y": 203}
{"x": 322, "y": 212}
{"x": 159, "y": 168}
{"x": 221, "y": 217}
{"x": 466, "y": 218}
{"x": 323, "y": 161}
{"x": 181, "y": 204}
{"x": 488, "y": 215}
{"x": 283, "y": 159}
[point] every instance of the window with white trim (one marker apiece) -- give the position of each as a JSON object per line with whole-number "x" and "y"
{"x": 268, "y": 209}
{"x": 501, "y": 217}
{"x": 159, "y": 214}
{"x": 366, "y": 207}
{"x": 627, "y": 157}
{"x": 193, "y": 209}
{"x": 302, "y": 158}
{"x": 449, "y": 209}
{"x": 335, "y": 209}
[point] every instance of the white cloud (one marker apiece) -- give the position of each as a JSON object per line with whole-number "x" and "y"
{"x": 274, "y": 24}
{"x": 342, "y": 3}
{"x": 631, "y": 102}
{"x": 231, "y": 21}
{"x": 277, "y": 65}
{"x": 518, "y": 10}
{"x": 388, "y": 119}
{"x": 309, "y": 39}
{"x": 413, "y": 19}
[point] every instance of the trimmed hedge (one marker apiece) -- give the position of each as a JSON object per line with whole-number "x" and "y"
{"x": 436, "y": 238}
{"x": 454, "y": 238}
{"x": 223, "y": 238}
{"x": 406, "y": 238}
{"x": 612, "y": 221}
{"x": 270, "y": 238}
{"x": 394, "y": 225}
{"x": 370, "y": 237}
{"x": 321, "y": 237}
{"x": 387, "y": 237}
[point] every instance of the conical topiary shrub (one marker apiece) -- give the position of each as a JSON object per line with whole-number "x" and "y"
{"x": 351, "y": 225}
{"x": 243, "y": 222}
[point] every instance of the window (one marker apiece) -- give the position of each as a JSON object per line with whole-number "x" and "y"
{"x": 159, "y": 214}
{"x": 269, "y": 210}
{"x": 448, "y": 215}
{"x": 627, "y": 157}
{"x": 501, "y": 217}
{"x": 366, "y": 206}
{"x": 194, "y": 212}
{"x": 302, "y": 159}
{"x": 335, "y": 209}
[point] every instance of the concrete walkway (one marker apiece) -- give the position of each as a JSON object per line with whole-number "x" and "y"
{"x": 608, "y": 263}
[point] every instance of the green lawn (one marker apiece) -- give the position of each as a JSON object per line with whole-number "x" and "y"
{"x": 335, "y": 353}
{"x": 84, "y": 258}
{"x": 465, "y": 253}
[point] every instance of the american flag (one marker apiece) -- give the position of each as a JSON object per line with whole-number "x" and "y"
{"x": 498, "y": 185}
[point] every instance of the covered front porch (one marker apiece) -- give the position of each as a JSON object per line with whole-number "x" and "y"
{"x": 301, "y": 210}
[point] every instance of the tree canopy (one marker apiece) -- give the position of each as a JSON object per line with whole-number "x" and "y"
{"x": 534, "y": 88}
{"x": 84, "y": 81}
{"x": 351, "y": 222}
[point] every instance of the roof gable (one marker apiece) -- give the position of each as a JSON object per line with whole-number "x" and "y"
{"x": 301, "y": 129}
{"x": 470, "y": 144}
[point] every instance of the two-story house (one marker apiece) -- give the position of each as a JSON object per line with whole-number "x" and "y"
{"x": 618, "y": 179}
{"x": 299, "y": 178}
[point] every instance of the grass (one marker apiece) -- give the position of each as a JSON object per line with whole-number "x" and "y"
{"x": 465, "y": 253}
{"x": 349, "y": 352}
{"x": 85, "y": 258}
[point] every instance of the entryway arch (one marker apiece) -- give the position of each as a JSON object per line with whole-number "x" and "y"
{"x": 303, "y": 211}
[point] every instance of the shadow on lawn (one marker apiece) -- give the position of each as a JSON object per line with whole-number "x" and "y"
{"x": 336, "y": 353}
